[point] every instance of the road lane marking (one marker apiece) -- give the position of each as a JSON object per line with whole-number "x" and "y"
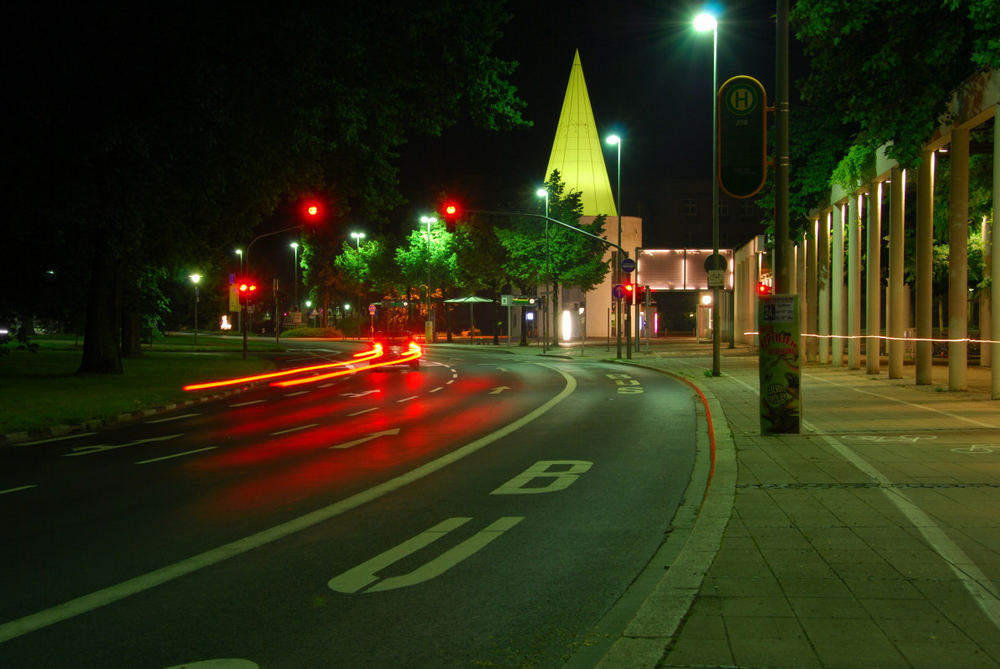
{"x": 175, "y": 455}
{"x": 499, "y": 389}
{"x": 407, "y": 399}
{"x": 359, "y": 577}
{"x": 172, "y": 418}
{"x": 98, "y": 448}
{"x": 358, "y": 413}
{"x": 434, "y": 390}
{"x": 374, "y": 435}
{"x": 293, "y": 429}
{"x": 63, "y": 438}
{"x": 19, "y": 488}
{"x": 361, "y": 394}
{"x": 246, "y": 404}
{"x": 113, "y": 593}
{"x": 296, "y": 394}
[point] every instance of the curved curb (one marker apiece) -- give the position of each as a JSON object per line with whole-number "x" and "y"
{"x": 647, "y": 635}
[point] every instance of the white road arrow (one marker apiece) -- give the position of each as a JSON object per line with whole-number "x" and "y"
{"x": 498, "y": 390}
{"x": 373, "y": 435}
{"x": 361, "y": 394}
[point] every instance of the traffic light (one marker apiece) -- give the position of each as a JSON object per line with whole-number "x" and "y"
{"x": 312, "y": 211}
{"x": 629, "y": 292}
{"x": 763, "y": 288}
{"x": 450, "y": 213}
{"x": 248, "y": 293}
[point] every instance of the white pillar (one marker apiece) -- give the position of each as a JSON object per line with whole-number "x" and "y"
{"x": 995, "y": 291}
{"x": 837, "y": 285}
{"x": 873, "y": 282}
{"x": 958, "y": 261}
{"x": 925, "y": 266}
{"x": 854, "y": 281}
{"x": 897, "y": 243}
{"x": 823, "y": 285}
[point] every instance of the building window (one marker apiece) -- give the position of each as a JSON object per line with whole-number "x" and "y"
{"x": 723, "y": 210}
{"x": 690, "y": 207}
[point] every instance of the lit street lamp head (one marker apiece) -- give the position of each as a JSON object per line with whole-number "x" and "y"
{"x": 704, "y": 22}
{"x": 195, "y": 278}
{"x": 613, "y": 139}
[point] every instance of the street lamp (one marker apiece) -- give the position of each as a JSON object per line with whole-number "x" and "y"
{"x": 428, "y": 324}
{"x": 543, "y": 192}
{"x": 295, "y": 275}
{"x": 195, "y": 279}
{"x": 703, "y": 23}
{"x": 239, "y": 252}
{"x": 615, "y": 140}
{"x": 357, "y": 237}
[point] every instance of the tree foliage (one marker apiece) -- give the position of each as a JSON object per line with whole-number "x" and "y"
{"x": 151, "y": 134}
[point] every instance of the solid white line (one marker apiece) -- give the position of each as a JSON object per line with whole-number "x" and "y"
{"x": 175, "y": 455}
{"x": 172, "y": 418}
{"x": 293, "y": 429}
{"x": 24, "y": 487}
{"x": 246, "y": 404}
{"x": 89, "y": 602}
{"x": 358, "y": 413}
{"x": 63, "y": 438}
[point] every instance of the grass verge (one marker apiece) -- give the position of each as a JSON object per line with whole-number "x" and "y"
{"x": 43, "y": 390}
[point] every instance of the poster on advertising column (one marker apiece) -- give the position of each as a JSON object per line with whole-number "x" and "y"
{"x": 780, "y": 364}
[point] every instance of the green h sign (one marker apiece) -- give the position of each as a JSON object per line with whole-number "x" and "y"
{"x": 742, "y": 137}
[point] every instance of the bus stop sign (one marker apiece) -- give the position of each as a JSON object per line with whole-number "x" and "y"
{"x": 742, "y": 134}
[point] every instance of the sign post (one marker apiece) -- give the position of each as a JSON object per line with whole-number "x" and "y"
{"x": 780, "y": 364}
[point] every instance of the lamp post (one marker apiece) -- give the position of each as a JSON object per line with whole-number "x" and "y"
{"x": 703, "y": 23}
{"x": 543, "y": 192}
{"x": 615, "y": 140}
{"x": 195, "y": 279}
{"x": 357, "y": 237}
{"x": 295, "y": 275}
{"x": 429, "y": 324}
{"x": 239, "y": 314}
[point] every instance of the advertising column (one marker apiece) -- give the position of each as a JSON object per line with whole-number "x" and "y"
{"x": 780, "y": 364}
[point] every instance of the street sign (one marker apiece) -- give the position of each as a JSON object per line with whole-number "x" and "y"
{"x": 716, "y": 278}
{"x": 522, "y": 301}
{"x": 371, "y": 309}
{"x": 618, "y": 291}
{"x": 628, "y": 265}
{"x": 742, "y": 134}
{"x": 710, "y": 262}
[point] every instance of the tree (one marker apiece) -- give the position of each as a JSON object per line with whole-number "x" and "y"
{"x": 540, "y": 254}
{"x": 481, "y": 261}
{"x": 156, "y": 134}
{"x": 875, "y": 68}
{"x": 427, "y": 259}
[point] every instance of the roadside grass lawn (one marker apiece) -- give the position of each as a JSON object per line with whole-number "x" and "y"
{"x": 42, "y": 389}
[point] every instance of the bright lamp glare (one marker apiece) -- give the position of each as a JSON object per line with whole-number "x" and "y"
{"x": 613, "y": 139}
{"x": 704, "y": 22}
{"x": 541, "y": 192}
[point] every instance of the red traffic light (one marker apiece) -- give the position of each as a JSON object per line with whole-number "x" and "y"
{"x": 247, "y": 292}
{"x": 449, "y": 211}
{"x": 312, "y": 210}
{"x": 629, "y": 292}
{"x": 763, "y": 288}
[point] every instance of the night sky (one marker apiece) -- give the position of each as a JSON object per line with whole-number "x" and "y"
{"x": 649, "y": 78}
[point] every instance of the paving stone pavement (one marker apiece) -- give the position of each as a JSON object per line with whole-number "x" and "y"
{"x": 871, "y": 539}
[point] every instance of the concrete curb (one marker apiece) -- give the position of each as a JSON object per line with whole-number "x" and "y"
{"x": 647, "y": 635}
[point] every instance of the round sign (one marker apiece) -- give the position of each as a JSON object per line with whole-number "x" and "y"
{"x": 618, "y": 291}
{"x": 628, "y": 265}
{"x": 710, "y": 262}
{"x": 371, "y": 308}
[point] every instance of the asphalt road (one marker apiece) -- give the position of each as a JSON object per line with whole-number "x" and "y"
{"x": 484, "y": 510}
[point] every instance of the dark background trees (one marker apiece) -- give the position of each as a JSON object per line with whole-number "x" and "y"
{"x": 147, "y": 136}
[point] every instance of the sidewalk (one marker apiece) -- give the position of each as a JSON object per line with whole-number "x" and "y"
{"x": 872, "y": 539}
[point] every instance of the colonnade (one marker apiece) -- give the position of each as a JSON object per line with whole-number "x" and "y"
{"x": 825, "y": 269}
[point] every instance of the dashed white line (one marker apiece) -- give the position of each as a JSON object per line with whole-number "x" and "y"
{"x": 172, "y": 418}
{"x": 293, "y": 429}
{"x": 175, "y": 455}
{"x": 407, "y": 399}
{"x": 301, "y": 392}
{"x": 246, "y": 404}
{"x": 436, "y": 389}
{"x": 358, "y": 413}
{"x": 63, "y": 438}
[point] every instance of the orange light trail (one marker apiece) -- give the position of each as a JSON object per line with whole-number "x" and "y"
{"x": 411, "y": 354}
{"x": 358, "y": 357}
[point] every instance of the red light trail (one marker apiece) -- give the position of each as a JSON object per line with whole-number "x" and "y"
{"x": 358, "y": 357}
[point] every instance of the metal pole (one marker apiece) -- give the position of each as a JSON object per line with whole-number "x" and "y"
{"x": 716, "y": 371}
{"x": 195, "y": 314}
{"x": 782, "y": 245}
{"x": 618, "y": 263}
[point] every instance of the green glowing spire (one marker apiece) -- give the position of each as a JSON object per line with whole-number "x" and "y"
{"x": 577, "y": 151}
